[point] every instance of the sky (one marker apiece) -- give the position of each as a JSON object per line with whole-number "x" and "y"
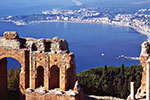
{"x": 20, "y": 7}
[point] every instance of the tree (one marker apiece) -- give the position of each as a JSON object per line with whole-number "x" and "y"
{"x": 17, "y": 73}
{"x": 122, "y": 70}
{"x": 110, "y": 81}
{"x": 105, "y": 72}
{"x": 13, "y": 79}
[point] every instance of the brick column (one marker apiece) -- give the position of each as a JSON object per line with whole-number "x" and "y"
{"x": 32, "y": 71}
{"x": 63, "y": 79}
{"x": 3, "y": 79}
{"x": 46, "y": 79}
{"x": 148, "y": 80}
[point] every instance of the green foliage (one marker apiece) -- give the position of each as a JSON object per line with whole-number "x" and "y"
{"x": 13, "y": 83}
{"x": 13, "y": 79}
{"x": 110, "y": 81}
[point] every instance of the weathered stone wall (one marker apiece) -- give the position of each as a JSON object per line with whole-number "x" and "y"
{"x": 53, "y": 57}
{"x": 15, "y": 44}
{"x": 145, "y": 54}
{"x": 3, "y": 79}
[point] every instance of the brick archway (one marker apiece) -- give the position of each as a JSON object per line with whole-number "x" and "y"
{"x": 40, "y": 76}
{"x": 22, "y": 57}
{"x": 7, "y": 94}
{"x": 54, "y": 79}
{"x": 32, "y": 53}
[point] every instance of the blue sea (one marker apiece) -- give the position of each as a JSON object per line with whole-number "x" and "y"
{"x": 86, "y": 41}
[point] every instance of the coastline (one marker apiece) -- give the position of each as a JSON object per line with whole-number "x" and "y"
{"x": 138, "y": 21}
{"x": 136, "y": 29}
{"x": 86, "y": 22}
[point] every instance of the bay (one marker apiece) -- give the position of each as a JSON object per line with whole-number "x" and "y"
{"x": 87, "y": 41}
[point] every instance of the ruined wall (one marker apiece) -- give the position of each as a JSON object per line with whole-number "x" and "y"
{"x": 57, "y": 55}
{"x": 3, "y": 79}
{"x": 42, "y": 61}
{"x": 145, "y": 54}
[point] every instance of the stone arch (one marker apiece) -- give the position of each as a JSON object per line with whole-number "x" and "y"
{"x": 40, "y": 76}
{"x": 11, "y": 56}
{"x": 69, "y": 75}
{"x": 3, "y": 79}
{"x": 22, "y": 56}
{"x": 54, "y": 78}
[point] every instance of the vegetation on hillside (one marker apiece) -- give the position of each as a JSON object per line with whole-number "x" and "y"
{"x": 110, "y": 81}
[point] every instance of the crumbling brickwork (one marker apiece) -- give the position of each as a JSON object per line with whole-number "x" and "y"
{"x": 48, "y": 68}
{"x": 145, "y": 54}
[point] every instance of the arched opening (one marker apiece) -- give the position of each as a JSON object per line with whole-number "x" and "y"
{"x": 40, "y": 76}
{"x": 54, "y": 77}
{"x": 34, "y": 48}
{"x": 69, "y": 78}
{"x": 9, "y": 80}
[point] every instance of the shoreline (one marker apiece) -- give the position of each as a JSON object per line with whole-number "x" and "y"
{"x": 84, "y": 22}
{"x": 136, "y": 29}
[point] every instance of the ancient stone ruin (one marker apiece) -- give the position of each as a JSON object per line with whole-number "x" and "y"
{"x": 48, "y": 68}
{"x": 144, "y": 90}
{"x": 145, "y": 55}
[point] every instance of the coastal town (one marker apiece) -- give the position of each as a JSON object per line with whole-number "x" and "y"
{"x": 139, "y": 21}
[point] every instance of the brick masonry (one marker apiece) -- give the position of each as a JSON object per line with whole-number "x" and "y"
{"x": 47, "y": 64}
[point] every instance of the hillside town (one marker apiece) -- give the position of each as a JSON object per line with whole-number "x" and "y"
{"x": 140, "y": 20}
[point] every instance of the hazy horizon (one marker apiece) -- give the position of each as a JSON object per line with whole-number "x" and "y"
{"x": 17, "y": 7}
